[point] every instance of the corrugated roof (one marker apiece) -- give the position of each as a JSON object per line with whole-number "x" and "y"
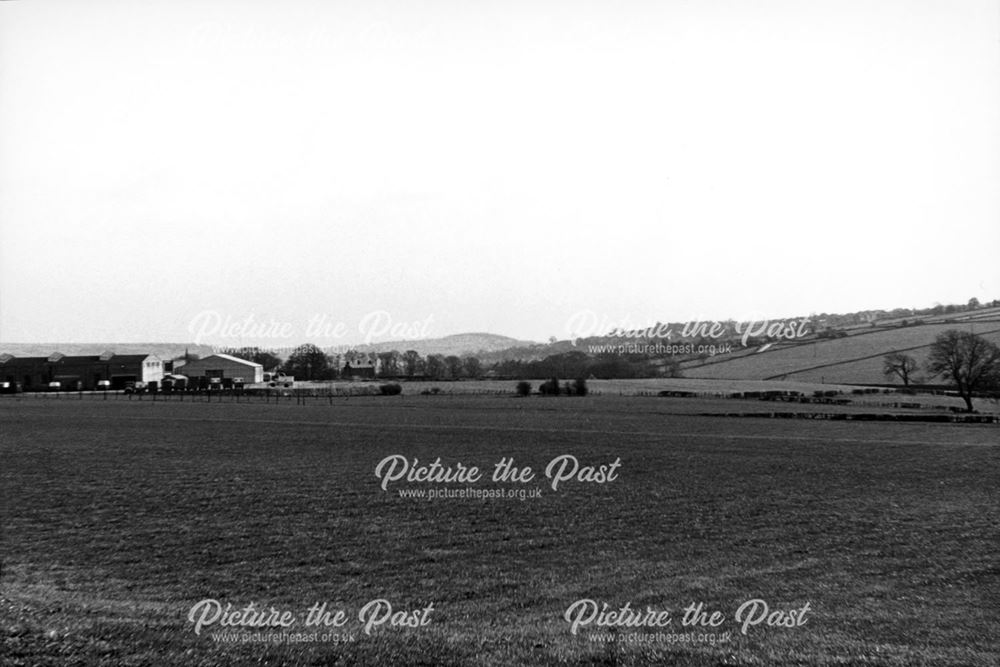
{"x": 229, "y": 357}
{"x": 58, "y": 357}
{"x": 27, "y": 360}
{"x": 132, "y": 357}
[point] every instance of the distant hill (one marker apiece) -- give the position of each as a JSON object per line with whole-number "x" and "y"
{"x": 842, "y": 348}
{"x": 162, "y": 350}
{"x": 456, "y": 344}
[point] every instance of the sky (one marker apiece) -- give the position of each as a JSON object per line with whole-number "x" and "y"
{"x": 338, "y": 172}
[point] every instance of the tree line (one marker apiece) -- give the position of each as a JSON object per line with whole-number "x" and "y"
{"x": 309, "y": 362}
{"x": 969, "y": 362}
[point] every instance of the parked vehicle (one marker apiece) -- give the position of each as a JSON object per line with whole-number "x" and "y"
{"x": 279, "y": 380}
{"x": 103, "y": 385}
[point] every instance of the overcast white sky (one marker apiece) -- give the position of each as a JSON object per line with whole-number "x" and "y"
{"x": 490, "y": 168}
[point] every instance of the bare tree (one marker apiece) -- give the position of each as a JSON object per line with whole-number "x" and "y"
{"x": 453, "y": 364}
{"x": 435, "y": 366}
{"x": 412, "y": 362}
{"x": 389, "y": 362}
{"x": 472, "y": 366}
{"x": 968, "y": 360}
{"x": 900, "y": 365}
{"x": 308, "y": 362}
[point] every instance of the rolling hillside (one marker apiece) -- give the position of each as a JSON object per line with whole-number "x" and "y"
{"x": 855, "y": 359}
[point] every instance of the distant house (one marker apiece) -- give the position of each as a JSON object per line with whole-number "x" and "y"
{"x": 80, "y": 372}
{"x": 224, "y": 367}
{"x": 359, "y": 365}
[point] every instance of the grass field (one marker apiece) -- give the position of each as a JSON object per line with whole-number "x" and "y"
{"x": 119, "y": 516}
{"x": 855, "y": 359}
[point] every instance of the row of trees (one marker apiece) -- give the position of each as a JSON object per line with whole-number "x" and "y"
{"x": 309, "y": 362}
{"x": 582, "y": 365}
{"x": 836, "y": 320}
{"x": 970, "y": 362}
{"x": 551, "y": 387}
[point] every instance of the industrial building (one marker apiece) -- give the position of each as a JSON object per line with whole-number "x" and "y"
{"x": 222, "y": 366}
{"x": 80, "y": 372}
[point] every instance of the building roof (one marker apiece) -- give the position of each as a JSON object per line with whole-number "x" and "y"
{"x": 57, "y": 357}
{"x": 227, "y": 357}
{"x": 129, "y": 357}
{"x": 23, "y": 360}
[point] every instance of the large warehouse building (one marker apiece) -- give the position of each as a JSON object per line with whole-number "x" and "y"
{"x": 80, "y": 372}
{"x": 222, "y": 366}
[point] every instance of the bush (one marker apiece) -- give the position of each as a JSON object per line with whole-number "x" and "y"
{"x": 391, "y": 389}
{"x": 580, "y": 387}
{"x": 549, "y": 387}
{"x": 523, "y": 388}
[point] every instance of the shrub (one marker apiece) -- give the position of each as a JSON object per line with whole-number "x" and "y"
{"x": 523, "y": 388}
{"x": 391, "y": 389}
{"x": 549, "y": 387}
{"x": 580, "y": 387}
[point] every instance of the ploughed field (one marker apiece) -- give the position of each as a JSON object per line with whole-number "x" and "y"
{"x": 119, "y": 517}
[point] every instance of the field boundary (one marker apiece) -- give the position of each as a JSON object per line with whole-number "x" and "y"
{"x": 833, "y": 364}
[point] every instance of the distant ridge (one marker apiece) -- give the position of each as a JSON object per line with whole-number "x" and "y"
{"x": 455, "y": 344}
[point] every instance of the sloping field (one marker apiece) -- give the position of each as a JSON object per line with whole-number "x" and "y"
{"x": 860, "y": 355}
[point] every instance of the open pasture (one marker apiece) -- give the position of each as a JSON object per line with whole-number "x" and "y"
{"x": 855, "y": 359}
{"x": 119, "y": 516}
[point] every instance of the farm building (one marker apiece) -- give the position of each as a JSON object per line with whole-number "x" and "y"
{"x": 222, "y": 366}
{"x": 80, "y": 372}
{"x": 359, "y": 365}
